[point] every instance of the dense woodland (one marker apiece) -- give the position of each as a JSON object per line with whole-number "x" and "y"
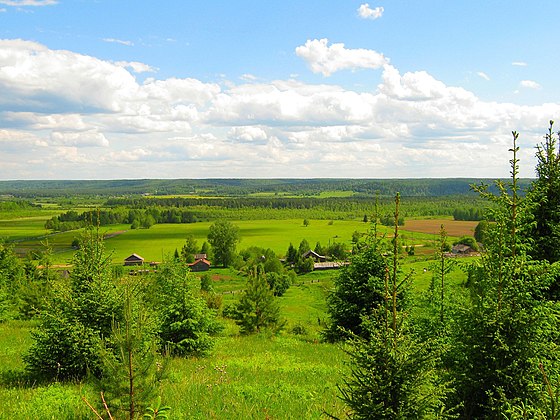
{"x": 484, "y": 348}
{"x": 243, "y": 187}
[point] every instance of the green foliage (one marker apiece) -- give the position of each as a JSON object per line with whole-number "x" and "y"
{"x": 223, "y": 236}
{"x": 257, "y": 308}
{"x": 480, "y": 231}
{"x": 158, "y": 411}
{"x": 291, "y": 254}
{"x": 278, "y": 283}
{"x": 187, "y": 324}
{"x": 393, "y": 375}
{"x": 206, "y": 283}
{"x": 131, "y": 371}
{"x": 471, "y": 213}
{"x": 68, "y": 340}
{"x": 500, "y": 338}
{"x": 468, "y": 241}
{"x": 11, "y": 277}
{"x": 358, "y": 290}
{"x": 189, "y": 249}
{"x": 544, "y": 195}
{"x": 304, "y": 265}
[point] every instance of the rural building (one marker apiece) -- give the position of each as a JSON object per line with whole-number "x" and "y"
{"x": 201, "y": 264}
{"x": 200, "y": 257}
{"x": 316, "y": 257}
{"x": 330, "y": 265}
{"x": 461, "y": 249}
{"x": 134, "y": 259}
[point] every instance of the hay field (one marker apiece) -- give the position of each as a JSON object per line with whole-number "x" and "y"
{"x": 432, "y": 226}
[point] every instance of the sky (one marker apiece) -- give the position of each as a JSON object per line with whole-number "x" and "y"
{"x": 105, "y": 89}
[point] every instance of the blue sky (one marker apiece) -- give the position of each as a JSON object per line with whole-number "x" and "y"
{"x": 181, "y": 89}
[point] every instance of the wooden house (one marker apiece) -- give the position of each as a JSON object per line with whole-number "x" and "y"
{"x": 201, "y": 264}
{"x": 316, "y": 257}
{"x": 134, "y": 259}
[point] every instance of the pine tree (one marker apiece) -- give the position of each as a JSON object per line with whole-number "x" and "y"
{"x": 502, "y": 335}
{"x": 544, "y": 196}
{"x": 68, "y": 341}
{"x": 257, "y": 308}
{"x": 393, "y": 375}
{"x": 131, "y": 368}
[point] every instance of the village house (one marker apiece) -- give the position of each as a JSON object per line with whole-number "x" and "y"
{"x": 316, "y": 257}
{"x": 201, "y": 264}
{"x": 134, "y": 259}
{"x": 461, "y": 249}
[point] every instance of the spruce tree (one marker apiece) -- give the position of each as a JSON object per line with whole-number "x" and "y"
{"x": 67, "y": 343}
{"x": 544, "y": 196}
{"x": 392, "y": 373}
{"x": 257, "y": 308}
{"x": 501, "y": 336}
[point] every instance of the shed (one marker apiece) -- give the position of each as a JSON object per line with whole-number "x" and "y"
{"x": 134, "y": 259}
{"x": 201, "y": 264}
{"x": 316, "y": 257}
{"x": 461, "y": 249}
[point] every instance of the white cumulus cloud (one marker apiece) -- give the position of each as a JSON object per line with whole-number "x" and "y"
{"x": 119, "y": 41}
{"x": 21, "y": 3}
{"x": 65, "y": 115}
{"x": 483, "y": 75}
{"x": 366, "y": 12}
{"x": 136, "y": 66}
{"x": 326, "y": 59}
{"x": 530, "y": 84}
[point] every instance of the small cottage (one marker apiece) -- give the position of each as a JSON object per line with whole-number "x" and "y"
{"x": 201, "y": 264}
{"x": 134, "y": 259}
{"x": 461, "y": 249}
{"x": 316, "y": 257}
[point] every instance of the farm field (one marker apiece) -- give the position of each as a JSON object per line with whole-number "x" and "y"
{"x": 161, "y": 240}
{"x": 290, "y": 373}
{"x": 432, "y": 226}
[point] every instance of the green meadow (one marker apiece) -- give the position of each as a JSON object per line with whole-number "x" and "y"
{"x": 161, "y": 240}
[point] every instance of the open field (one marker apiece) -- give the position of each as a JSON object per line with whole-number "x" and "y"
{"x": 432, "y": 226}
{"x": 161, "y": 240}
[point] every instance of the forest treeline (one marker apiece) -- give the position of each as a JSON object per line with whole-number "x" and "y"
{"x": 143, "y": 212}
{"x": 241, "y": 187}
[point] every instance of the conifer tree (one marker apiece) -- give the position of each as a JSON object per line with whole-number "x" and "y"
{"x": 392, "y": 374}
{"x": 68, "y": 341}
{"x": 131, "y": 368}
{"x": 501, "y": 336}
{"x": 257, "y": 308}
{"x": 544, "y": 196}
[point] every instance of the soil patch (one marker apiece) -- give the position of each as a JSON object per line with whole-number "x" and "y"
{"x": 453, "y": 227}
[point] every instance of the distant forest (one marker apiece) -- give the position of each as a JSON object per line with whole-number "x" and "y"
{"x": 426, "y": 187}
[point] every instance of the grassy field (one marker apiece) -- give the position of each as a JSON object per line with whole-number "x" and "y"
{"x": 283, "y": 376}
{"x": 161, "y": 240}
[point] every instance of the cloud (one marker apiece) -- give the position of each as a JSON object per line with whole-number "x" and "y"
{"x": 89, "y": 138}
{"x": 530, "y": 84}
{"x": 519, "y": 63}
{"x": 137, "y": 67}
{"x": 325, "y": 59}
{"x": 22, "y": 3}
{"x": 119, "y": 41}
{"x": 365, "y": 12}
{"x": 247, "y": 134}
{"x": 66, "y": 115}
{"x": 483, "y": 75}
